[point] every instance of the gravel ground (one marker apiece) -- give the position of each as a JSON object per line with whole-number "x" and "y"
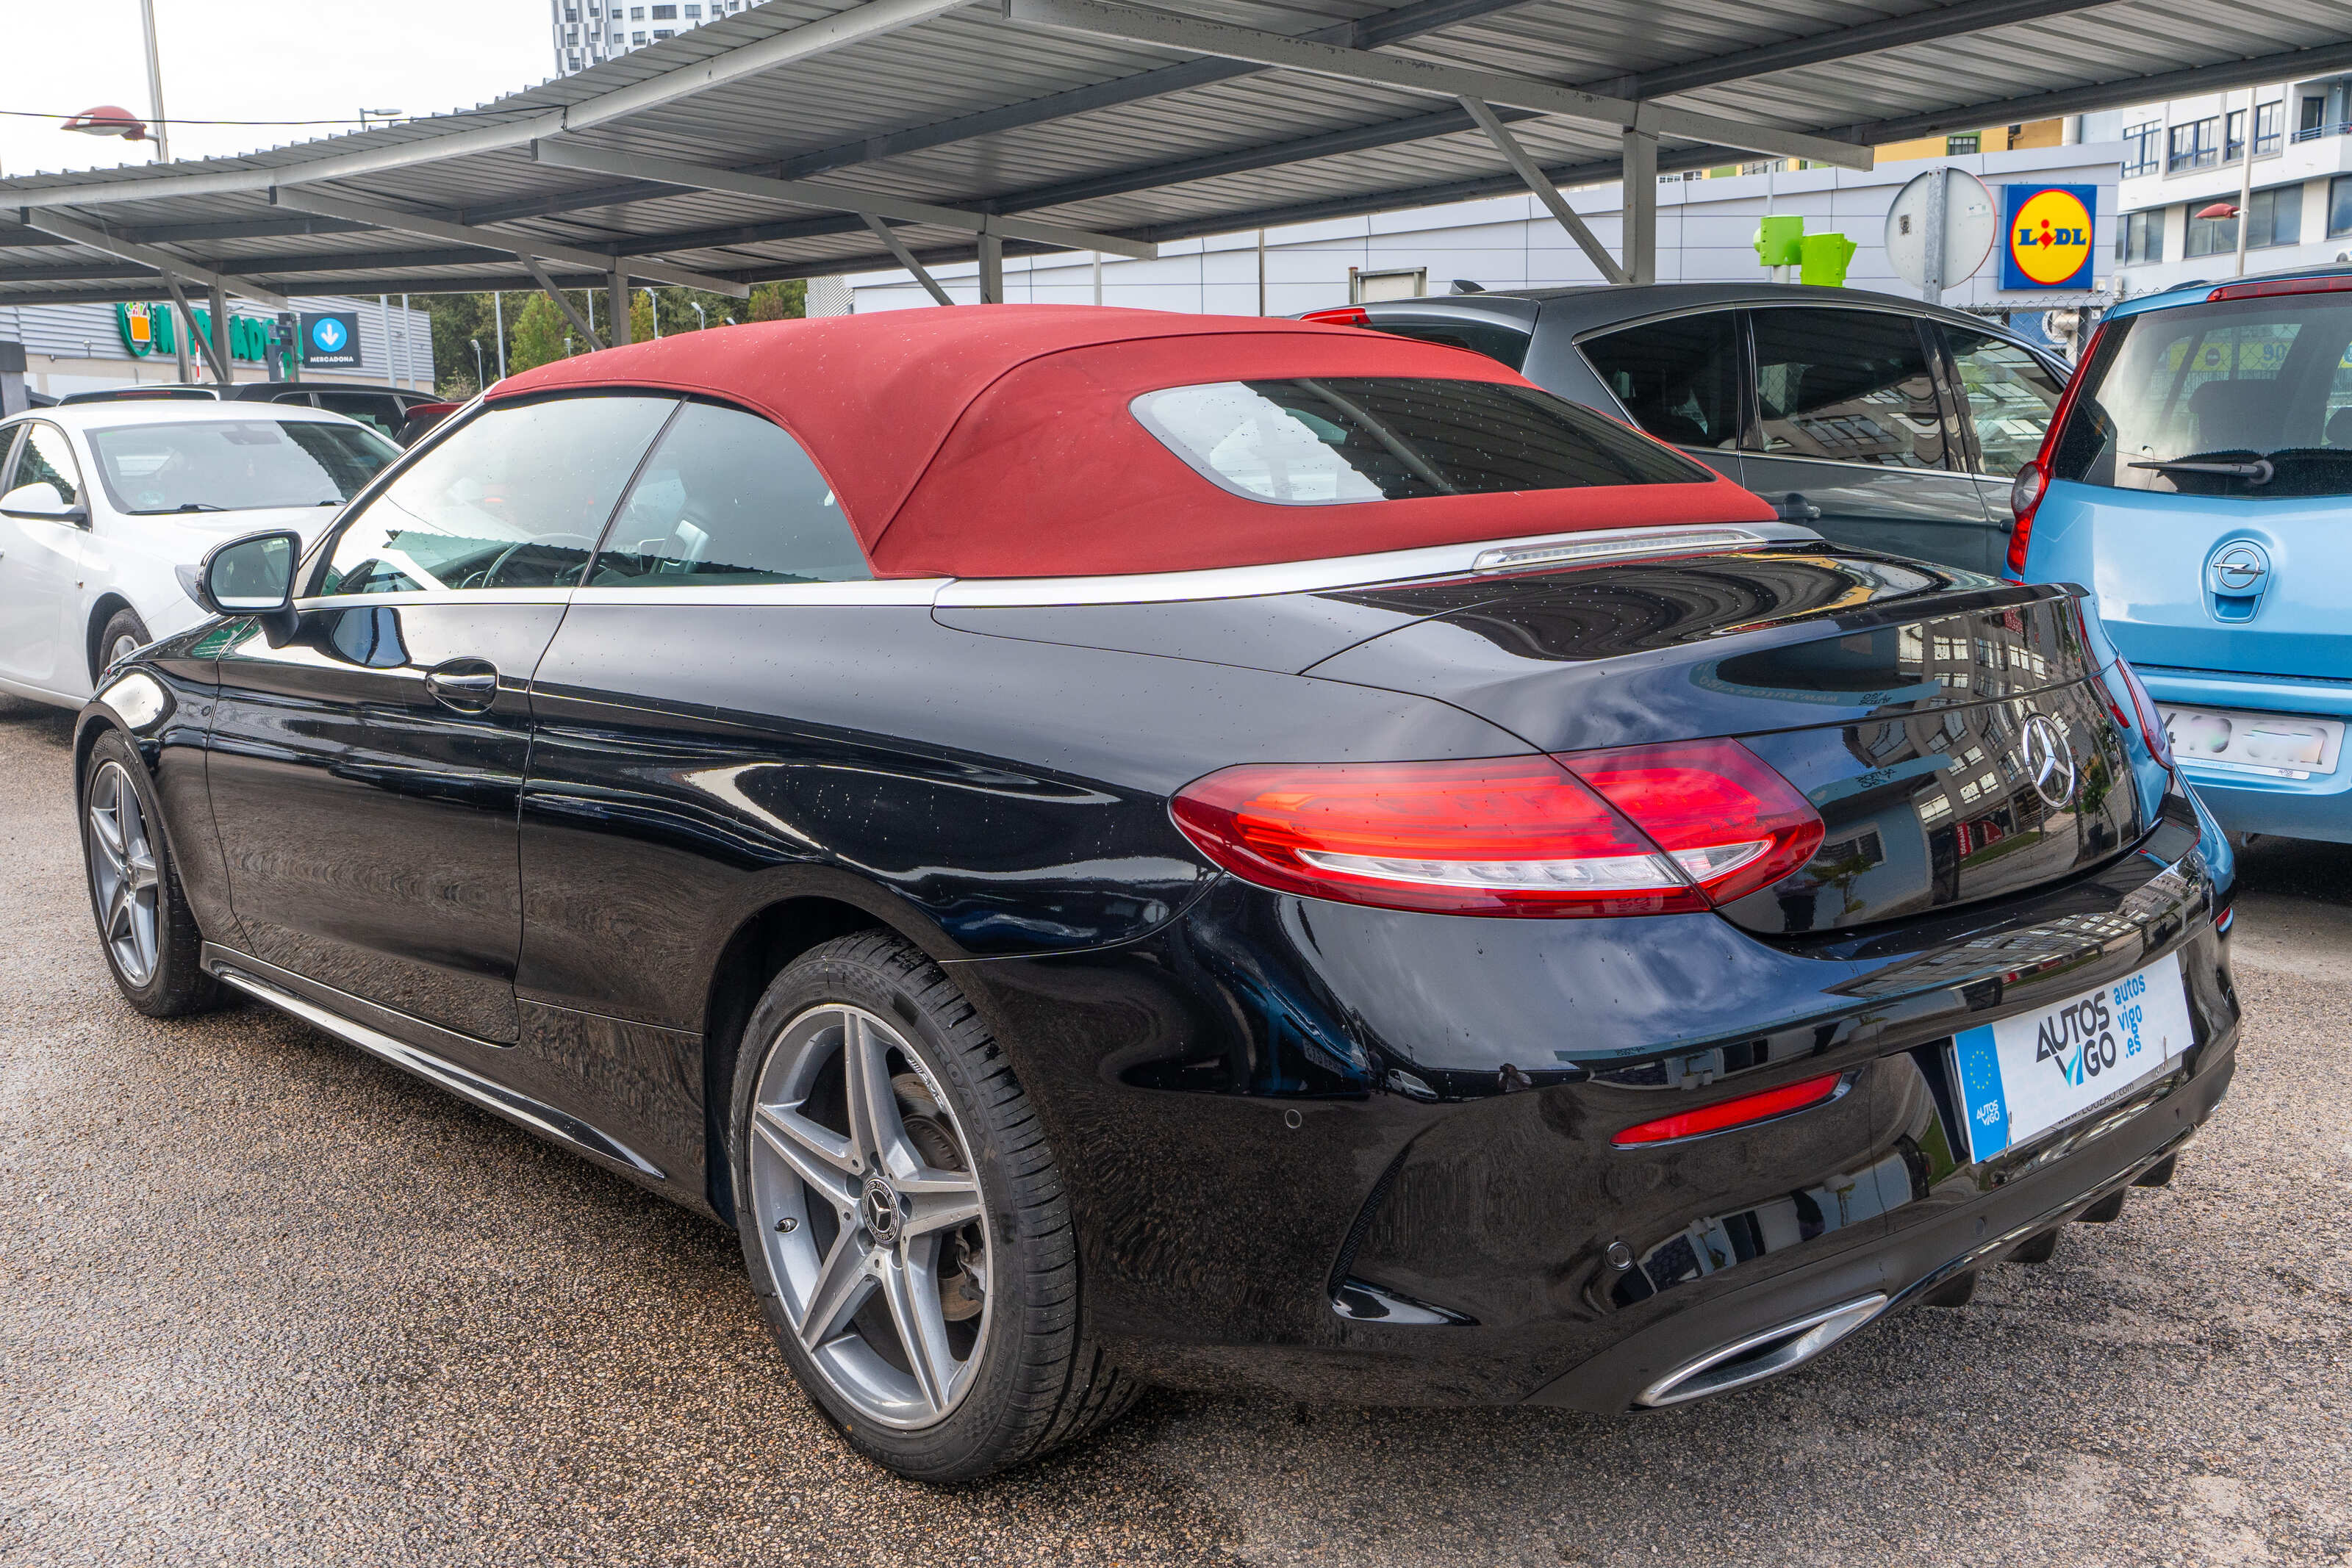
{"x": 264, "y": 1299}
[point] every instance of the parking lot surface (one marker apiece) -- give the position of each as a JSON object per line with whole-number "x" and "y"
{"x": 262, "y": 1297}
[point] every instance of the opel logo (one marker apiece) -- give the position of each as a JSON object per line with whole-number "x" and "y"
{"x": 2049, "y": 761}
{"x": 878, "y": 1208}
{"x": 2238, "y": 567}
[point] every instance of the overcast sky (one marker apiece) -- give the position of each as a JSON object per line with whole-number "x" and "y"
{"x": 252, "y": 59}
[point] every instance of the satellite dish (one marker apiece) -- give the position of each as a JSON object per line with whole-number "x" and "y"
{"x": 1967, "y": 229}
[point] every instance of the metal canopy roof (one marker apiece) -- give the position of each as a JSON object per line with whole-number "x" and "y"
{"x": 810, "y": 137}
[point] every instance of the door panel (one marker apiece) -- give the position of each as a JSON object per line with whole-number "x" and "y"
{"x": 41, "y": 570}
{"x": 1852, "y": 437}
{"x": 369, "y": 827}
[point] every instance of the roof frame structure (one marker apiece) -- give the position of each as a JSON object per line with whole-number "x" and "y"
{"x": 1098, "y": 18}
{"x": 952, "y": 131}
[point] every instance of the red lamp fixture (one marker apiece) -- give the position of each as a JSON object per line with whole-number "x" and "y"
{"x": 108, "y": 120}
{"x": 2219, "y": 210}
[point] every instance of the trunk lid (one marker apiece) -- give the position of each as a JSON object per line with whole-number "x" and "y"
{"x": 1958, "y": 745}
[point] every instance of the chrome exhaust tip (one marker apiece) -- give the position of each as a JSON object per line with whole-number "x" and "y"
{"x": 1760, "y": 1356}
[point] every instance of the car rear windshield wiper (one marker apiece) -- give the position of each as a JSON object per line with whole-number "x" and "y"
{"x": 2256, "y": 471}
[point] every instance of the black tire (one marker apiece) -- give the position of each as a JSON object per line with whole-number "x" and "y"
{"x": 1038, "y": 1382}
{"x": 177, "y": 984}
{"x": 123, "y": 624}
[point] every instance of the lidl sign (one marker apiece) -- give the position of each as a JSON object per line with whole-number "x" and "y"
{"x": 2049, "y": 236}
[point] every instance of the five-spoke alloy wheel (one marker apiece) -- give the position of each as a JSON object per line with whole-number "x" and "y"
{"x": 903, "y": 1220}
{"x": 125, "y": 881}
{"x": 870, "y": 1212}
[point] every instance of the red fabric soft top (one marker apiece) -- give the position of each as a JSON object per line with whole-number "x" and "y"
{"x": 996, "y": 441}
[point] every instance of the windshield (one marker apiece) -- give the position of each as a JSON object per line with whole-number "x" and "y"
{"x": 1349, "y": 439}
{"x": 2249, "y": 398}
{"x": 233, "y": 466}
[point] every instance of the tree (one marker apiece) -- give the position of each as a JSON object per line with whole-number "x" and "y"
{"x": 786, "y": 301}
{"x": 641, "y": 317}
{"x": 540, "y": 330}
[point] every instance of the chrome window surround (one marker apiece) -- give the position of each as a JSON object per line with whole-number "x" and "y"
{"x": 1532, "y": 552}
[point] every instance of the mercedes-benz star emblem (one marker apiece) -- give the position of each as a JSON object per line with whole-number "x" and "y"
{"x": 879, "y": 1209}
{"x": 2238, "y": 567}
{"x": 2049, "y": 760}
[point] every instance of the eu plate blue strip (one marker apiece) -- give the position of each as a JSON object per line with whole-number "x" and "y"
{"x": 1981, "y": 1099}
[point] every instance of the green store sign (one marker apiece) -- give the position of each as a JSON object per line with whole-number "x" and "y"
{"x": 153, "y": 329}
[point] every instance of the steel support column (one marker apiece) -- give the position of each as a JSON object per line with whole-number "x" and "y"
{"x": 992, "y": 270}
{"x": 562, "y": 303}
{"x": 220, "y": 334}
{"x": 1639, "y": 209}
{"x": 616, "y": 308}
{"x": 1545, "y": 190}
{"x": 889, "y": 237}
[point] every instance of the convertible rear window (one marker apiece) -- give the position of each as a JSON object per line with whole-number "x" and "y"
{"x": 1335, "y": 440}
{"x": 2250, "y": 398}
{"x": 233, "y": 465}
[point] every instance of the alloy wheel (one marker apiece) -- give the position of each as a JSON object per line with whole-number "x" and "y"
{"x": 870, "y": 1216}
{"x": 121, "y": 649}
{"x": 124, "y": 874}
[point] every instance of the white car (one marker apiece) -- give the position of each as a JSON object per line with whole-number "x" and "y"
{"x": 101, "y": 503}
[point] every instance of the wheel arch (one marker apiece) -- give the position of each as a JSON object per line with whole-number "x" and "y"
{"x": 757, "y": 951}
{"x": 107, "y": 605}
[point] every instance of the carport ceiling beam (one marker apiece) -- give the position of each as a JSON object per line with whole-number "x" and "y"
{"x": 822, "y": 36}
{"x": 889, "y": 237}
{"x": 1094, "y": 18}
{"x": 162, "y": 261}
{"x": 517, "y": 245}
{"x": 596, "y": 344}
{"x": 1545, "y": 190}
{"x": 830, "y": 198}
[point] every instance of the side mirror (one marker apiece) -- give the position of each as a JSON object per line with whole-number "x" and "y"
{"x": 43, "y": 500}
{"x": 251, "y": 575}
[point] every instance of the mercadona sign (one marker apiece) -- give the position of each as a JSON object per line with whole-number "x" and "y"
{"x": 153, "y": 329}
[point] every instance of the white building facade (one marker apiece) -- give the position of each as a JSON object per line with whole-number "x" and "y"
{"x": 2186, "y": 171}
{"x": 588, "y": 32}
{"x": 1707, "y": 230}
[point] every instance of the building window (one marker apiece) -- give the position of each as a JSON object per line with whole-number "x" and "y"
{"x": 693, "y": 13}
{"x": 2233, "y": 136}
{"x": 2209, "y": 236}
{"x": 660, "y": 33}
{"x": 2140, "y": 236}
{"x": 2274, "y": 217}
{"x": 2339, "y": 205}
{"x": 2196, "y": 145}
{"x": 2268, "y": 118}
{"x": 2140, "y": 149}
{"x": 637, "y": 13}
{"x": 665, "y": 14}
{"x": 636, "y": 38}
{"x": 1959, "y": 146}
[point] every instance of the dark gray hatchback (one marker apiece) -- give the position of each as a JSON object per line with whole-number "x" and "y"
{"x": 1878, "y": 420}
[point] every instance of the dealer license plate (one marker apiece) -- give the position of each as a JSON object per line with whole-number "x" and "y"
{"x": 2025, "y": 1075}
{"x": 2281, "y": 745}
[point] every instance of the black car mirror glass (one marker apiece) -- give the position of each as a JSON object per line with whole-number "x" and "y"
{"x": 251, "y": 575}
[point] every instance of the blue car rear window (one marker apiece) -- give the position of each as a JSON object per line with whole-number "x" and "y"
{"x": 2247, "y": 398}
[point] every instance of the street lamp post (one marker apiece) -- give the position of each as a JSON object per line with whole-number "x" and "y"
{"x": 478, "y": 382}
{"x": 155, "y": 85}
{"x": 653, "y": 304}
{"x": 699, "y": 313}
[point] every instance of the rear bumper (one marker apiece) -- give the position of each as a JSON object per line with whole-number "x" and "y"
{"x": 2319, "y": 807}
{"x": 1920, "y": 1257}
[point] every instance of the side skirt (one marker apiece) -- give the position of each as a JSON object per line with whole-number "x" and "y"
{"x": 266, "y": 983}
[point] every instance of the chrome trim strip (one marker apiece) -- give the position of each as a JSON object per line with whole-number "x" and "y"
{"x": 557, "y": 596}
{"x": 1335, "y": 571}
{"x": 490, "y": 1095}
{"x": 899, "y": 591}
{"x": 1805, "y": 1338}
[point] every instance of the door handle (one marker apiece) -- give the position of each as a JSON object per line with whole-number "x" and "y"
{"x": 1794, "y": 508}
{"x": 468, "y": 685}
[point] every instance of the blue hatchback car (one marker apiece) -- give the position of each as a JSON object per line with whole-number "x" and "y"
{"x": 2197, "y": 480}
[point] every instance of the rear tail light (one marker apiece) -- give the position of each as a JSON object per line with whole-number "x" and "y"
{"x": 1746, "y": 1111}
{"x": 1731, "y": 822}
{"x": 1641, "y": 830}
{"x": 2151, "y": 723}
{"x": 1339, "y": 316}
{"x": 2223, "y": 921}
{"x": 2023, "y": 497}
